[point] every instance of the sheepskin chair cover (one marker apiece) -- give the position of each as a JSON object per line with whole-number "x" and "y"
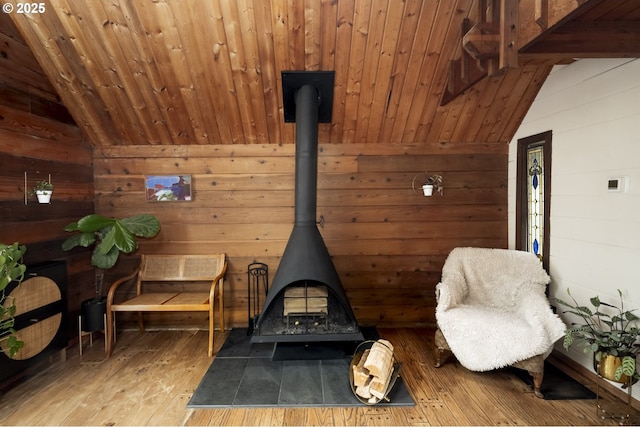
{"x": 492, "y": 308}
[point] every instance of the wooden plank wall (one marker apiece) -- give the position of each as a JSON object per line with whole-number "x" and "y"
{"x": 39, "y": 137}
{"x": 388, "y": 242}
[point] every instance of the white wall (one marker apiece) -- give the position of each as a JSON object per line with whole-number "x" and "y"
{"x": 592, "y": 106}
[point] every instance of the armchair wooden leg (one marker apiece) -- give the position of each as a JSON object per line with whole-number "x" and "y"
{"x": 442, "y": 351}
{"x": 537, "y": 383}
{"x": 535, "y": 367}
{"x": 441, "y": 354}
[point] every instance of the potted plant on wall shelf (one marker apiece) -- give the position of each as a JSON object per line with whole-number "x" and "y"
{"x": 434, "y": 182}
{"x": 43, "y": 190}
{"x": 11, "y": 269}
{"x": 611, "y": 332}
{"x": 110, "y": 237}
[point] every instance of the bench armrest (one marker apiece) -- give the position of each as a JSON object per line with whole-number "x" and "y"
{"x": 219, "y": 279}
{"x": 114, "y": 286}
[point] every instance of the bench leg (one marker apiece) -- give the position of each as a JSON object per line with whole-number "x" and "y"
{"x": 212, "y": 324}
{"x": 109, "y": 326}
{"x": 140, "y": 321}
{"x": 221, "y": 309}
{"x": 104, "y": 319}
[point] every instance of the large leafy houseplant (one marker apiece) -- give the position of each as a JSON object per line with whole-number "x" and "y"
{"x": 111, "y": 236}
{"x": 607, "y": 330}
{"x": 11, "y": 269}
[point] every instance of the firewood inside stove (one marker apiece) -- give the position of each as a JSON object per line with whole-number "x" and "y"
{"x": 305, "y": 299}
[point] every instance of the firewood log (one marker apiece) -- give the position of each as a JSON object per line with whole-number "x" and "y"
{"x": 380, "y": 359}
{"x": 378, "y": 386}
{"x": 360, "y": 373}
{"x": 364, "y": 391}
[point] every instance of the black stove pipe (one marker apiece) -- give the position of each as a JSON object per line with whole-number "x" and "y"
{"x": 307, "y": 101}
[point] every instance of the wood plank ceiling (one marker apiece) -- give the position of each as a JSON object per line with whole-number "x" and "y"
{"x": 145, "y": 72}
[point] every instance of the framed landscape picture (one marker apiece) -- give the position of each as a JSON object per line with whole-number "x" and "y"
{"x": 167, "y": 188}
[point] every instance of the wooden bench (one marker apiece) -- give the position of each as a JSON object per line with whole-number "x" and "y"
{"x": 171, "y": 270}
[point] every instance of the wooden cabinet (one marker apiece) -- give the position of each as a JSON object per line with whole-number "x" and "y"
{"x": 40, "y": 319}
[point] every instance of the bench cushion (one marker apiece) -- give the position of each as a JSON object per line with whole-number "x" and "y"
{"x": 165, "y": 301}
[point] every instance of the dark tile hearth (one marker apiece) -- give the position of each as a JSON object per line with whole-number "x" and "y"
{"x": 247, "y": 375}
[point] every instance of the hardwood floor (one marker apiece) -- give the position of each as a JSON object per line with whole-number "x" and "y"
{"x": 151, "y": 376}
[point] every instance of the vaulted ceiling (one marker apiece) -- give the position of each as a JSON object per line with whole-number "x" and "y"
{"x": 209, "y": 71}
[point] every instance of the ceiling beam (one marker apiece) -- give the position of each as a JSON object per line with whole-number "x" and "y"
{"x": 507, "y": 28}
{"x": 533, "y": 24}
{"x": 610, "y": 39}
{"x": 508, "y": 47}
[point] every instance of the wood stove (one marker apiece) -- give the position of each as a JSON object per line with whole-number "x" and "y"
{"x": 306, "y": 269}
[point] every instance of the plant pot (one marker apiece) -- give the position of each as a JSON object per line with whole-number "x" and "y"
{"x": 607, "y": 366}
{"x": 44, "y": 196}
{"x": 427, "y": 189}
{"x": 92, "y": 312}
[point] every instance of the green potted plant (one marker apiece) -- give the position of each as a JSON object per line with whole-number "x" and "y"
{"x": 434, "y": 182}
{"x": 110, "y": 237}
{"x": 611, "y": 332}
{"x": 11, "y": 269}
{"x": 43, "y": 190}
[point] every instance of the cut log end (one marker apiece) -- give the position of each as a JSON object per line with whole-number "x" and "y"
{"x": 372, "y": 374}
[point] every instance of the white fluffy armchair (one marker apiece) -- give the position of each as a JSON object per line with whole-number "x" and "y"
{"x": 492, "y": 311}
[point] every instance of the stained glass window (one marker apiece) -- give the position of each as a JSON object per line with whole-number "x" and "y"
{"x": 535, "y": 197}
